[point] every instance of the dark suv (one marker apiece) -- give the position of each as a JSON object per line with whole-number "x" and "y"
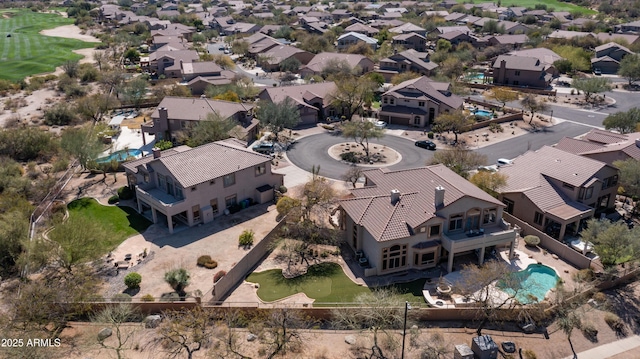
{"x": 426, "y": 144}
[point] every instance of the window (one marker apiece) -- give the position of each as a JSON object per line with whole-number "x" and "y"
{"x": 214, "y": 205}
{"x": 509, "y": 203}
{"x": 421, "y": 103}
{"x": 170, "y": 186}
{"x": 424, "y": 258}
{"x": 489, "y": 216}
{"x": 392, "y": 101}
{"x": 354, "y": 236}
{"x": 537, "y": 218}
{"x": 516, "y": 82}
{"x": 589, "y": 193}
{"x": 610, "y": 182}
{"x": 132, "y": 179}
{"x": 196, "y": 213}
{"x": 394, "y": 257}
{"x": 416, "y": 120}
{"x": 145, "y": 178}
{"x": 455, "y": 222}
{"x": 422, "y": 230}
{"x": 179, "y": 194}
{"x": 568, "y": 186}
{"x": 603, "y": 201}
{"x": 261, "y": 169}
{"x": 517, "y": 73}
{"x": 231, "y": 201}
{"x": 229, "y": 180}
{"x": 162, "y": 182}
{"x": 434, "y": 230}
{"x": 384, "y": 100}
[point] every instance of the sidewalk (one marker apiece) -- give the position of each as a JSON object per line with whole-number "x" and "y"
{"x": 612, "y": 349}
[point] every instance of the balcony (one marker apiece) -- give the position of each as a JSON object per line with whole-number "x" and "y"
{"x": 158, "y": 197}
{"x": 491, "y": 236}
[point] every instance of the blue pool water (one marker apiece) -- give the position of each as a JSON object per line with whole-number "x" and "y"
{"x": 477, "y": 76}
{"x": 484, "y": 113}
{"x": 535, "y": 282}
{"x": 120, "y": 156}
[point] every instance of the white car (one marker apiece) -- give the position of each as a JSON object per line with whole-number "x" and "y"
{"x": 380, "y": 124}
{"x": 503, "y": 162}
{"x": 492, "y": 168}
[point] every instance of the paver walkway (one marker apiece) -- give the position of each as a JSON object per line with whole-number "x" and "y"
{"x": 612, "y": 349}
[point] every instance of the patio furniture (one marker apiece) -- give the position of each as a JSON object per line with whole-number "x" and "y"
{"x": 127, "y": 257}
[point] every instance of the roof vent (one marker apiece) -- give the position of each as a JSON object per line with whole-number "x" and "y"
{"x": 395, "y": 196}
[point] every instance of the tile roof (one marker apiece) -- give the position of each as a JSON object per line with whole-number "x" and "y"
{"x": 372, "y": 207}
{"x": 277, "y": 54}
{"x": 194, "y": 109}
{"x": 358, "y": 27}
{"x": 604, "y": 137}
{"x": 519, "y": 63}
{"x": 545, "y": 56}
{"x": 204, "y": 163}
{"x": 298, "y": 93}
{"x": 599, "y": 141}
{"x": 529, "y": 170}
{"x": 365, "y": 38}
{"x": 318, "y": 63}
{"x": 407, "y": 27}
{"x": 436, "y": 91}
{"x": 551, "y": 200}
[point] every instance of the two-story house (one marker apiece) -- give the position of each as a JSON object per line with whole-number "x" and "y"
{"x": 604, "y": 146}
{"x": 349, "y": 39}
{"x": 607, "y": 57}
{"x": 521, "y": 71}
{"x": 314, "y": 100}
{"x": 168, "y": 62}
{"x": 416, "y": 218}
{"x": 557, "y": 191}
{"x": 362, "y": 29}
{"x": 175, "y": 114}
{"x": 320, "y": 61}
{"x": 409, "y": 60}
{"x": 417, "y": 102}
{"x": 411, "y": 40}
{"x": 196, "y": 185}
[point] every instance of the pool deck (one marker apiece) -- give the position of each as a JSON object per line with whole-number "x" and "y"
{"x": 131, "y": 139}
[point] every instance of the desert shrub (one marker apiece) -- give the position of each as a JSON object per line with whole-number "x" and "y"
{"x": 599, "y": 297}
{"x": 121, "y": 297}
{"x": 282, "y": 189}
{"x": 211, "y": 264}
{"x": 204, "y": 259}
{"x": 614, "y": 322}
{"x": 529, "y": 354}
{"x": 163, "y": 145}
{"x": 495, "y": 127}
{"x": 113, "y": 199}
{"x": 246, "y": 238}
{"x": 148, "y": 298}
{"x": 125, "y": 193}
{"x": 60, "y": 165}
{"x": 133, "y": 280}
{"x": 219, "y": 276}
{"x": 430, "y": 135}
{"x": 583, "y": 275}
{"x": 349, "y": 157}
{"x": 589, "y": 331}
{"x": 531, "y": 240}
{"x": 60, "y": 114}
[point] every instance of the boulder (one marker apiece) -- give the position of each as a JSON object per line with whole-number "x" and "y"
{"x": 350, "y": 339}
{"x": 104, "y": 333}
{"x": 251, "y": 337}
{"x": 152, "y": 321}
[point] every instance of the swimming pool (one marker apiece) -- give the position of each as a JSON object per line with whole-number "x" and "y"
{"x": 120, "y": 156}
{"x": 475, "y": 76}
{"x": 535, "y": 282}
{"x": 483, "y": 113}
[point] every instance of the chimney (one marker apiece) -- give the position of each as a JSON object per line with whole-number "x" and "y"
{"x": 156, "y": 152}
{"x": 395, "y": 196}
{"x": 164, "y": 114}
{"x": 439, "y": 197}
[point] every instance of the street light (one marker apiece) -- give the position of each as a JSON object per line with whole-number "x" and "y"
{"x": 407, "y": 306}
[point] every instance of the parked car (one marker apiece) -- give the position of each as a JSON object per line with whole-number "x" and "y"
{"x": 503, "y": 162}
{"x": 492, "y": 168}
{"x": 266, "y": 148}
{"x": 426, "y": 144}
{"x": 380, "y": 124}
{"x": 597, "y": 72}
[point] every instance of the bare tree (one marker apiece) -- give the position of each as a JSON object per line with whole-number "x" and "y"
{"x": 187, "y": 331}
{"x": 352, "y": 175}
{"x": 362, "y": 132}
{"x": 280, "y": 332}
{"x": 116, "y": 318}
{"x": 530, "y": 103}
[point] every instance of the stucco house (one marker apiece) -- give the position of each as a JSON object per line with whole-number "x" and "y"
{"x": 417, "y": 218}
{"x": 314, "y": 100}
{"x": 411, "y": 40}
{"x": 607, "y": 57}
{"x": 417, "y": 102}
{"x": 604, "y": 146}
{"x": 196, "y": 185}
{"x": 175, "y": 114}
{"x": 320, "y": 61}
{"x": 349, "y": 39}
{"x": 557, "y": 191}
{"x": 409, "y": 60}
{"x": 521, "y": 71}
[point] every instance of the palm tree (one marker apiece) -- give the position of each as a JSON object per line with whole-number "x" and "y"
{"x": 178, "y": 279}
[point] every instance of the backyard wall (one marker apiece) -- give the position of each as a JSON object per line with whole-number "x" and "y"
{"x": 562, "y": 250}
{"x": 237, "y": 273}
{"x": 501, "y": 119}
{"x": 515, "y": 88}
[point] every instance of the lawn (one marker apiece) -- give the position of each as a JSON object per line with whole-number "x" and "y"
{"x": 555, "y": 4}
{"x": 326, "y": 283}
{"x": 120, "y": 222}
{"x": 25, "y": 52}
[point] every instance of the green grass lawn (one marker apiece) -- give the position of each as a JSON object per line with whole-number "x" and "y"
{"x": 555, "y": 4}
{"x": 26, "y": 52}
{"x": 326, "y": 283}
{"x": 120, "y": 222}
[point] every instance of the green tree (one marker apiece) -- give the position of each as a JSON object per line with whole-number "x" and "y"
{"x": 60, "y": 114}
{"x": 443, "y": 45}
{"x": 456, "y": 122}
{"x": 489, "y": 182}
{"x": 26, "y": 143}
{"x": 614, "y": 242}
{"x": 14, "y": 230}
{"x": 70, "y": 67}
{"x": 531, "y": 104}
{"x": 81, "y": 144}
{"x": 623, "y": 122}
{"x": 178, "y": 279}
{"x": 630, "y": 68}
{"x": 291, "y": 64}
{"x": 567, "y": 321}
{"x": 78, "y": 239}
{"x": 352, "y": 93}
{"x": 564, "y": 66}
{"x": 502, "y": 95}
{"x": 213, "y": 128}
{"x": 135, "y": 91}
{"x": 278, "y": 116}
{"x": 335, "y": 68}
{"x": 591, "y": 86}
{"x": 362, "y": 132}
{"x": 629, "y": 176}
{"x": 94, "y": 106}
{"x": 459, "y": 160}
{"x": 132, "y": 55}
{"x": 492, "y": 27}
{"x": 240, "y": 47}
